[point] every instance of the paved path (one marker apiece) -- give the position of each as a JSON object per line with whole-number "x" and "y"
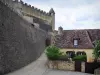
{"x": 38, "y": 68}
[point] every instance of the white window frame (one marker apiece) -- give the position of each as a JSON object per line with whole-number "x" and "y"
{"x": 75, "y": 42}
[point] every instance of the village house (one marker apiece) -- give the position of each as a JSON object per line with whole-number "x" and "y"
{"x": 79, "y": 41}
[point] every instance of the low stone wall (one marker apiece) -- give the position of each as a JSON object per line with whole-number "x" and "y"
{"x": 83, "y": 67}
{"x": 64, "y": 65}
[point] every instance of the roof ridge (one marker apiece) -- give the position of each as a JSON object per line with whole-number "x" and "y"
{"x": 88, "y": 36}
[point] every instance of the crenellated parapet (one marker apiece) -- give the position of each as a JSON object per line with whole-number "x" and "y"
{"x": 27, "y": 11}
{"x": 26, "y": 5}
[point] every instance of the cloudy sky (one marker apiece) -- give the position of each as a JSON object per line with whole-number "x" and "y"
{"x": 72, "y": 14}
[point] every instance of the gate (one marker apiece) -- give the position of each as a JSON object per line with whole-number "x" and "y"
{"x": 78, "y": 66}
{"x": 90, "y": 67}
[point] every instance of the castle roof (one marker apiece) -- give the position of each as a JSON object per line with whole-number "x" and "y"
{"x": 85, "y": 38}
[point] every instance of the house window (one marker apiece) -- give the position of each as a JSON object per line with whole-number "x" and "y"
{"x": 81, "y": 53}
{"x": 75, "y": 43}
{"x": 70, "y": 54}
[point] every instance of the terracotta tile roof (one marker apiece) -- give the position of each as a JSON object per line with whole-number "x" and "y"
{"x": 85, "y": 38}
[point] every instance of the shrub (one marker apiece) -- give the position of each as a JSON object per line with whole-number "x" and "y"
{"x": 80, "y": 58}
{"x": 96, "y": 51}
{"x": 64, "y": 58}
{"x": 53, "y": 52}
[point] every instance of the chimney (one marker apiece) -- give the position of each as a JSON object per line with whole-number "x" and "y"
{"x": 60, "y": 31}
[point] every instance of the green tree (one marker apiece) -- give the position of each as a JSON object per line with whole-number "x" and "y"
{"x": 96, "y": 51}
{"x": 53, "y": 52}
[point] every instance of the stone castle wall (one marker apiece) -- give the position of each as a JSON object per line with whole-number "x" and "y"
{"x": 20, "y": 42}
{"x": 27, "y": 11}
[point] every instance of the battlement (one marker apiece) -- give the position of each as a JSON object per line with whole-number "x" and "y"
{"x": 11, "y": 2}
{"x": 27, "y": 11}
{"x": 33, "y": 8}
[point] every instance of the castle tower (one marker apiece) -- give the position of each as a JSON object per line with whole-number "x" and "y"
{"x": 52, "y": 13}
{"x": 29, "y": 12}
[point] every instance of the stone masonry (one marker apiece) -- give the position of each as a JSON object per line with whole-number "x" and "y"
{"x": 64, "y": 65}
{"x": 20, "y": 42}
{"x": 28, "y": 12}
